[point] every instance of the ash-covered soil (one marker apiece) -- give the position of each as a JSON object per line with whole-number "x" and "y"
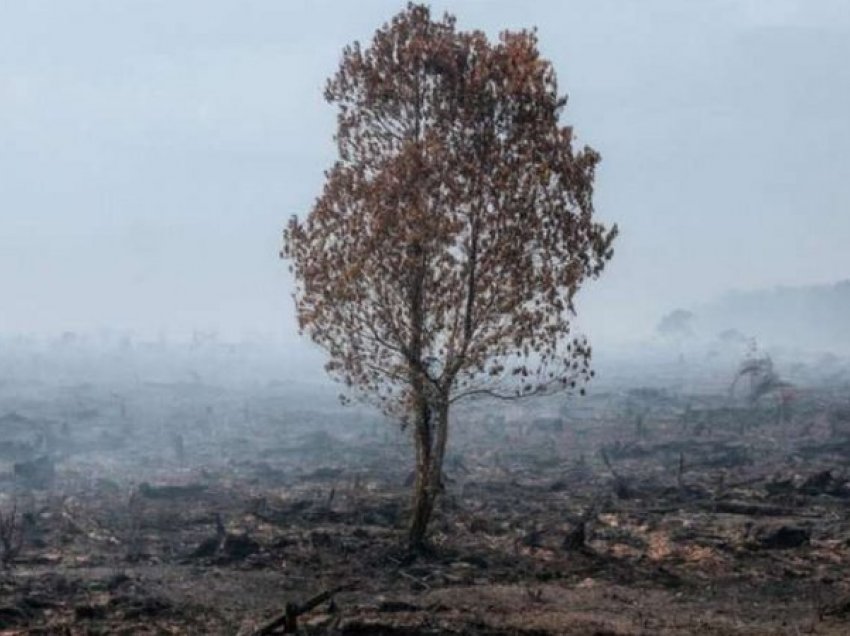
{"x": 184, "y": 508}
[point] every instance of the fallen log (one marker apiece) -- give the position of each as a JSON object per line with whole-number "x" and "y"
{"x": 751, "y": 509}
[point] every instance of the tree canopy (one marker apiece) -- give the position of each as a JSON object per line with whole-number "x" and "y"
{"x": 443, "y": 256}
{"x": 457, "y": 225}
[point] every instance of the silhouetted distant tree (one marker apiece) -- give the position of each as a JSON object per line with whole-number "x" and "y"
{"x": 677, "y": 324}
{"x": 732, "y": 336}
{"x": 443, "y": 256}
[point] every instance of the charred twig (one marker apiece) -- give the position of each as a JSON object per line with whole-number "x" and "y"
{"x": 11, "y": 534}
{"x": 621, "y": 487}
{"x": 747, "y": 508}
{"x": 576, "y": 539}
{"x": 680, "y": 473}
{"x": 288, "y": 619}
{"x": 421, "y": 583}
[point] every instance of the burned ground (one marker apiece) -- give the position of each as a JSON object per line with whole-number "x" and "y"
{"x": 186, "y": 508}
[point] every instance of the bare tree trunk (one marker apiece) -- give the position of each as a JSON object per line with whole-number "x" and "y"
{"x": 439, "y": 450}
{"x": 422, "y": 504}
{"x": 430, "y": 451}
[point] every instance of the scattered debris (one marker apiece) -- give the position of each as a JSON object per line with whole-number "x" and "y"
{"x": 601, "y": 525}
{"x": 782, "y": 537}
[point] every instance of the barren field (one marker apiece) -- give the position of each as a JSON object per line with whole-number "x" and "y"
{"x": 187, "y": 508}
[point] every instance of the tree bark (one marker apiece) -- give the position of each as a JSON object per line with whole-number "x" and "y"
{"x": 430, "y": 437}
{"x": 422, "y": 505}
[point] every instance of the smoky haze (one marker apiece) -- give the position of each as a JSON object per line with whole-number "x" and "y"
{"x": 150, "y": 152}
{"x": 174, "y": 457}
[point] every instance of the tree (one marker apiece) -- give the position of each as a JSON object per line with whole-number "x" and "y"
{"x": 677, "y": 324}
{"x": 442, "y": 258}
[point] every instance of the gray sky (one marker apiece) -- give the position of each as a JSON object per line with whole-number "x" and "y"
{"x": 151, "y": 150}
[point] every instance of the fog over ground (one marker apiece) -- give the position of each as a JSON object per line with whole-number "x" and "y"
{"x": 175, "y": 459}
{"x": 150, "y": 152}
